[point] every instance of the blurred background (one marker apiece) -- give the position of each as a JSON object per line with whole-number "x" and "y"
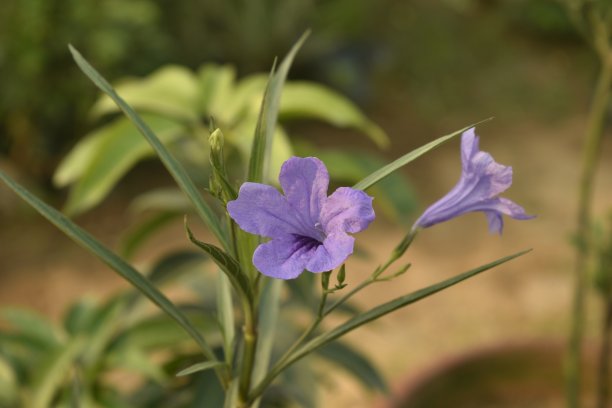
{"x": 420, "y": 69}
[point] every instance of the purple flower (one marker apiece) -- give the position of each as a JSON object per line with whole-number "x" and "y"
{"x": 308, "y": 229}
{"x": 482, "y": 180}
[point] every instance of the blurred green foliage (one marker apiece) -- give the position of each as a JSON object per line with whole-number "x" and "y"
{"x": 43, "y": 102}
{"x": 449, "y": 56}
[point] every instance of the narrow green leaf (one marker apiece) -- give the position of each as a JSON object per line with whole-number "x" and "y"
{"x": 311, "y": 100}
{"x": 374, "y": 314}
{"x": 33, "y": 326}
{"x": 395, "y": 304}
{"x": 174, "y": 167}
{"x": 170, "y": 91}
{"x": 205, "y": 365}
{"x": 225, "y": 312}
{"x": 119, "y": 149}
{"x": 383, "y": 172}
{"x": 135, "y": 360}
{"x": 158, "y": 332}
{"x": 395, "y": 196}
{"x": 269, "y": 309}
{"x": 52, "y": 372}
{"x": 9, "y": 388}
{"x": 228, "y": 265}
{"x": 355, "y": 364}
{"x": 138, "y": 235}
{"x": 262, "y": 143}
{"x": 231, "y": 396}
{"x": 161, "y": 199}
{"x": 176, "y": 264}
{"x": 116, "y": 263}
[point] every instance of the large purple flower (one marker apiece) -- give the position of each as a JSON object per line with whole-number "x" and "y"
{"x": 482, "y": 180}
{"x": 308, "y": 229}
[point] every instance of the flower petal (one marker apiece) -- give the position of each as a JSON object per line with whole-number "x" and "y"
{"x": 482, "y": 180}
{"x": 347, "y": 210}
{"x": 469, "y": 146}
{"x": 261, "y": 209}
{"x": 305, "y": 181}
{"x": 334, "y": 251}
{"x": 284, "y": 258}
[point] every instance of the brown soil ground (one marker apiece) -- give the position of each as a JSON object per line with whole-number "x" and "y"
{"x": 528, "y": 298}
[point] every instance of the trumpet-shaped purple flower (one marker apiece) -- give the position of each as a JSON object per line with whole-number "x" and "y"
{"x": 482, "y": 180}
{"x": 308, "y": 229}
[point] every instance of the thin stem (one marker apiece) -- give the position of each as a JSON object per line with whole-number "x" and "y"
{"x": 590, "y": 160}
{"x": 605, "y": 351}
{"x": 313, "y": 326}
{"x": 248, "y": 357}
{"x": 368, "y": 281}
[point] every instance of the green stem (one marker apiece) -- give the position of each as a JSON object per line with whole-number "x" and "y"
{"x": 397, "y": 253}
{"x": 248, "y": 357}
{"x": 603, "y": 390}
{"x": 590, "y": 160}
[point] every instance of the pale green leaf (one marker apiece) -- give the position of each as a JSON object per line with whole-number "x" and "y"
{"x": 33, "y": 326}
{"x": 246, "y": 98}
{"x": 141, "y": 232}
{"x": 161, "y": 199}
{"x": 264, "y": 132}
{"x": 117, "y": 149}
{"x": 215, "y": 87}
{"x": 133, "y": 359}
{"x": 225, "y": 314}
{"x": 231, "y": 395}
{"x": 172, "y": 165}
{"x": 52, "y": 372}
{"x": 311, "y": 100}
{"x": 268, "y": 317}
{"x": 171, "y": 91}
{"x": 9, "y": 389}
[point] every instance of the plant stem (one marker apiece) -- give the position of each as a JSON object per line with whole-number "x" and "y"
{"x": 590, "y": 160}
{"x": 603, "y": 390}
{"x": 248, "y": 357}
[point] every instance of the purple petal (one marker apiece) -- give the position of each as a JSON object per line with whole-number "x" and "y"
{"x": 261, "y": 209}
{"x": 496, "y": 207}
{"x": 305, "y": 181}
{"x": 284, "y": 258}
{"x": 334, "y": 251}
{"x": 347, "y": 210}
{"x": 482, "y": 180}
{"x": 469, "y": 146}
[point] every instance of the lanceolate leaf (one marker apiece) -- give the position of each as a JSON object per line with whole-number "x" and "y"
{"x": 268, "y": 317}
{"x": 174, "y": 167}
{"x": 119, "y": 149}
{"x": 262, "y": 143}
{"x": 354, "y": 363}
{"x": 228, "y": 265}
{"x": 171, "y": 91}
{"x": 374, "y": 314}
{"x": 124, "y": 269}
{"x": 52, "y": 372}
{"x": 395, "y": 304}
{"x": 205, "y": 365}
{"x": 383, "y": 172}
{"x": 311, "y": 100}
